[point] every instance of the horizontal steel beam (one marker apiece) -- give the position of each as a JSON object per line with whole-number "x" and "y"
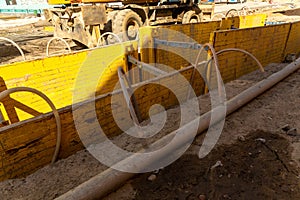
{"x": 185, "y": 45}
{"x": 146, "y": 66}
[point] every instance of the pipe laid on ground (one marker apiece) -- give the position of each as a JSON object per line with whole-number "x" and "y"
{"x": 103, "y": 183}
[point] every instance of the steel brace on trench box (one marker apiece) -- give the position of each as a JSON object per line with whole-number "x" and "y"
{"x": 126, "y": 85}
{"x": 128, "y": 92}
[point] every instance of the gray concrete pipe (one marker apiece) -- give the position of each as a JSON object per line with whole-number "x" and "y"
{"x": 109, "y": 180}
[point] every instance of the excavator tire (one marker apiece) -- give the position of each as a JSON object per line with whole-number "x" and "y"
{"x": 127, "y": 22}
{"x": 191, "y": 17}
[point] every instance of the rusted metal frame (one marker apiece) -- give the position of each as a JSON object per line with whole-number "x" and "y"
{"x": 145, "y": 66}
{"x": 185, "y": 45}
{"x": 128, "y": 95}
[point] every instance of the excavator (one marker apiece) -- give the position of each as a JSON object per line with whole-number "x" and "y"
{"x": 84, "y": 21}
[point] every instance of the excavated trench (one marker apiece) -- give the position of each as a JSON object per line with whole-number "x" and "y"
{"x": 257, "y": 156}
{"x": 257, "y": 150}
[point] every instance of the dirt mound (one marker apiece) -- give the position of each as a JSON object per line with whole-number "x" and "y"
{"x": 256, "y": 167}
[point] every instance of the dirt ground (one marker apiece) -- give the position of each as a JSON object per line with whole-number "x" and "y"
{"x": 257, "y": 156}
{"x": 33, "y": 40}
{"x": 256, "y": 168}
{"x": 259, "y": 151}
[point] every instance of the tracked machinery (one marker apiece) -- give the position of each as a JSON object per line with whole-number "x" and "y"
{"x": 84, "y": 21}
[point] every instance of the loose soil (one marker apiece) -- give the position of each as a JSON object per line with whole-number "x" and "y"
{"x": 32, "y": 40}
{"x": 258, "y": 152}
{"x": 258, "y": 167}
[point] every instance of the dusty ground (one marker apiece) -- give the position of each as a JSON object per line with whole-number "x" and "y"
{"x": 261, "y": 164}
{"x": 258, "y": 149}
{"x": 250, "y": 169}
{"x": 285, "y": 16}
{"x": 32, "y": 39}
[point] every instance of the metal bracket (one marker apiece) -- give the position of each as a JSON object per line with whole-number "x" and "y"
{"x": 145, "y": 66}
{"x": 185, "y": 45}
{"x": 128, "y": 92}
